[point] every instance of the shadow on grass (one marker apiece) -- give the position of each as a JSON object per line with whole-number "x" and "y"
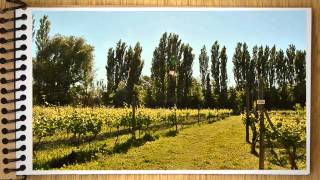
{"x": 89, "y": 154}
{"x": 75, "y": 157}
{"x": 171, "y": 133}
{"x": 124, "y": 147}
{"x": 71, "y": 141}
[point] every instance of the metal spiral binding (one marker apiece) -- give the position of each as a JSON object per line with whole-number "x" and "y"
{"x": 18, "y": 4}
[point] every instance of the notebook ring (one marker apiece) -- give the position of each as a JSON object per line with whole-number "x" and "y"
{"x": 7, "y": 160}
{"x": 6, "y": 121}
{"x": 6, "y": 81}
{"x": 5, "y": 61}
{"x": 16, "y": 4}
{"x": 7, "y": 141}
{"x": 5, "y": 41}
{"x": 21, "y": 48}
{"x": 9, "y": 170}
{"x": 7, "y": 131}
{"x": 5, "y": 70}
{"x": 6, "y": 101}
{"x": 15, "y": 29}
{"x": 7, "y": 111}
{"x": 7, "y": 91}
{"x": 7, "y": 151}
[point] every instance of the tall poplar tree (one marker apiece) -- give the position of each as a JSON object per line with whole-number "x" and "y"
{"x": 42, "y": 35}
{"x": 159, "y": 72}
{"x": 135, "y": 64}
{"x": 185, "y": 76}
{"x": 204, "y": 65}
{"x": 174, "y": 52}
{"x": 272, "y": 67}
{"x": 223, "y": 78}
{"x": 110, "y": 68}
{"x": 300, "y": 77}
{"x": 243, "y": 76}
{"x": 121, "y": 68}
{"x": 290, "y": 56}
{"x": 245, "y": 62}
{"x": 208, "y": 99}
{"x": 237, "y": 66}
{"x": 281, "y": 69}
{"x": 215, "y": 68}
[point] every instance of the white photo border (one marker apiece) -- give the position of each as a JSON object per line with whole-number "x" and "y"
{"x": 29, "y": 166}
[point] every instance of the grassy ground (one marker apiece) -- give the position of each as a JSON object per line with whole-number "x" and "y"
{"x": 219, "y": 145}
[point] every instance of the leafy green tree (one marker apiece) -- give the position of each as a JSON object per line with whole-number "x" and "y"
{"x": 147, "y": 98}
{"x": 65, "y": 62}
{"x": 95, "y": 96}
{"x": 232, "y": 100}
{"x": 120, "y": 96}
{"x": 196, "y": 94}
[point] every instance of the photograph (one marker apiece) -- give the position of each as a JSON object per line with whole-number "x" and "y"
{"x": 170, "y": 89}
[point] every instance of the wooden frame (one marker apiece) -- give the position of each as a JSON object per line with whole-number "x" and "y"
{"x": 315, "y": 69}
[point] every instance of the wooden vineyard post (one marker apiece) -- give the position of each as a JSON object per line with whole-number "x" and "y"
{"x": 260, "y": 104}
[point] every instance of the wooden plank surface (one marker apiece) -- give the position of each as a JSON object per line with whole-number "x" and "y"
{"x": 315, "y": 114}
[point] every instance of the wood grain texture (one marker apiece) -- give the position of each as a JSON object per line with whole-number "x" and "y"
{"x": 315, "y": 104}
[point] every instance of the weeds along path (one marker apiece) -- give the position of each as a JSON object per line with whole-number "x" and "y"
{"x": 218, "y": 145}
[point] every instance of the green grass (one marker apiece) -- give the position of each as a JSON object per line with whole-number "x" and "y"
{"x": 219, "y": 145}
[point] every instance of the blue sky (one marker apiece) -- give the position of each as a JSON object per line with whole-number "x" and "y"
{"x": 102, "y": 29}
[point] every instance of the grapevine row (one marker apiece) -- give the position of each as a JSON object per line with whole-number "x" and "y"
{"x": 285, "y": 134}
{"x": 48, "y": 121}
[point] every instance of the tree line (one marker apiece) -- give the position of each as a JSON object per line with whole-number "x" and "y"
{"x": 124, "y": 66}
{"x": 63, "y": 74}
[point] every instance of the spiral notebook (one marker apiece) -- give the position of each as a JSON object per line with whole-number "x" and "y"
{"x": 154, "y": 90}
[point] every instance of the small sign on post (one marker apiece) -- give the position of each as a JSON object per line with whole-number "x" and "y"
{"x": 261, "y": 101}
